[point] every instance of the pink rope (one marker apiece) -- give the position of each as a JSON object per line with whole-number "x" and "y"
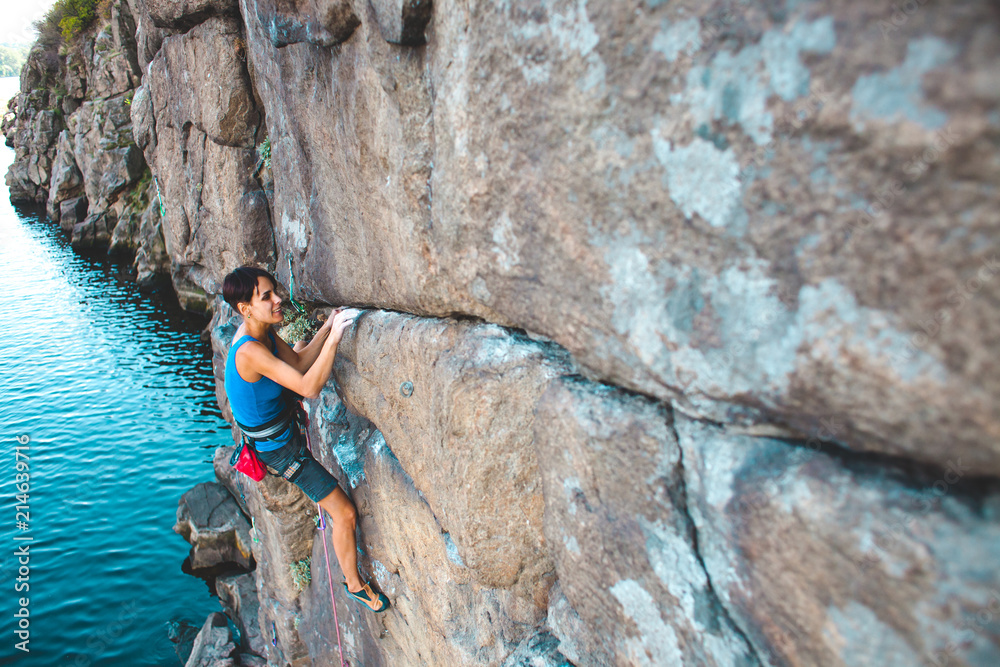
{"x": 326, "y": 551}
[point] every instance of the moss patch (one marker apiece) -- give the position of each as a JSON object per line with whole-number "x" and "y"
{"x": 301, "y": 573}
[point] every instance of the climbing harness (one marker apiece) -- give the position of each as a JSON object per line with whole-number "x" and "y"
{"x": 272, "y": 428}
{"x": 326, "y": 552}
{"x": 278, "y": 424}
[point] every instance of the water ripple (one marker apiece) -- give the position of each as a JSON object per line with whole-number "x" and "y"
{"x": 115, "y": 389}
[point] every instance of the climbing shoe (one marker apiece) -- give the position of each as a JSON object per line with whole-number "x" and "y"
{"x": 374, "y": 601}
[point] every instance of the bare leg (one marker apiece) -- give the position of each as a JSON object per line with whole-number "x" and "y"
{"x": 343, "y": 519}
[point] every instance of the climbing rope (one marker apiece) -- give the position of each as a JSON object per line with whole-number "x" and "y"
{"x": 163, "y": 209}
{"x": 326, "y": 552}
{"x": 291, "y": 287}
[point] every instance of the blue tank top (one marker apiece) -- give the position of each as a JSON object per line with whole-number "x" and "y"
{"x": 255, "y": 403}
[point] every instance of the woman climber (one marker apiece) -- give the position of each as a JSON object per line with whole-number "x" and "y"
{"x": 260, "y": 368}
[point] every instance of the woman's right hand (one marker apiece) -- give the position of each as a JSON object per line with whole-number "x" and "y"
{"x": 341, "y": 320}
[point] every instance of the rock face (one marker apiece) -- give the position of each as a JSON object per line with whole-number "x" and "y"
{"x": 522, "y": 168}
{"x": 824, "y": 561}
{"x": 238, "y": 595}
{"x": 672, "y": 541}
{"x": 680, "y": 330}
{"x": 626, "y": 550}
{"x": 197, "y": 121}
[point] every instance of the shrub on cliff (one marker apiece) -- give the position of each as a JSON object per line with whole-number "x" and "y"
{"x": 49, "y": 33}
{"x": 68, "y": 18}
{"x": 77, "y": 16}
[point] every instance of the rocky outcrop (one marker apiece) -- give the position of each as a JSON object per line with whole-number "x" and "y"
{"x": 35, "y": 132}
{"x": 213, "y": 646}
{"x": 212, "y": 522}
{"x": 74, "y": 149}
{"x": 238, "y": 595}
{"x": 321, "y": 22}
{"x": 66, "y": 182}
{"x": 196, "y": 121}
{"x": 680, "y": 320}
{"x": 100, "y": 147}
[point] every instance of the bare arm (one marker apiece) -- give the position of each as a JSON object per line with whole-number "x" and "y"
{"x": 254, "y": 359}
{"x": 303, "y": 358}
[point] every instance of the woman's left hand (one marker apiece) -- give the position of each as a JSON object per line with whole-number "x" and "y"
{"x": 328, "y": 320}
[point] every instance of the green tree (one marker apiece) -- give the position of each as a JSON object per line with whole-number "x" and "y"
{"x": 65, "y": 20}
{"x": 12, "y": 57}
{"x": 77, "y": 16}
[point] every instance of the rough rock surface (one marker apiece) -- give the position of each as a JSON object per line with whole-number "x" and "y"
{"x": 238, "y": 595}
{"x": 110, "y": 65}
{"x": 824, "y": 560}
{"x": 682, "y": 319}
{"x": 211, "y": 520}
{"x": 616, "y": 520}
{"x": 537, "y": 650}
{"x": 72, "y": 211}
{"x": 402, "y": 21}
{"x": 213, "y": 647}
{"x": 197, "y": 121}
{"x": 35, "y": 133}
{"x": 317, "y": 22}
{"x": 481, "y": 383}
{"x": 72, "y": 136}
{"x": 185, "y": 14}
{"x": 66, "y": 181}
{"x": 103, "y": 150}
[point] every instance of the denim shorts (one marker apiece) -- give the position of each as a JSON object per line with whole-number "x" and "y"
{"x": 314, "y": 480}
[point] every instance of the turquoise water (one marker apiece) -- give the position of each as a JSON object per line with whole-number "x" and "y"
{"x": 114, "y": 390}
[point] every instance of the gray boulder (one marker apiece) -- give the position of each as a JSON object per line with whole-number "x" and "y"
{"x": 210, "y": 519}
{"x": 213, "y": 646}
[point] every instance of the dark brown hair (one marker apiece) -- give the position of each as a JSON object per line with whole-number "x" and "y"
{"x": 238, "y": 287}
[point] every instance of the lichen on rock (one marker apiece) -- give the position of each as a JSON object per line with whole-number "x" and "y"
{"x": 679, "y": 332}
